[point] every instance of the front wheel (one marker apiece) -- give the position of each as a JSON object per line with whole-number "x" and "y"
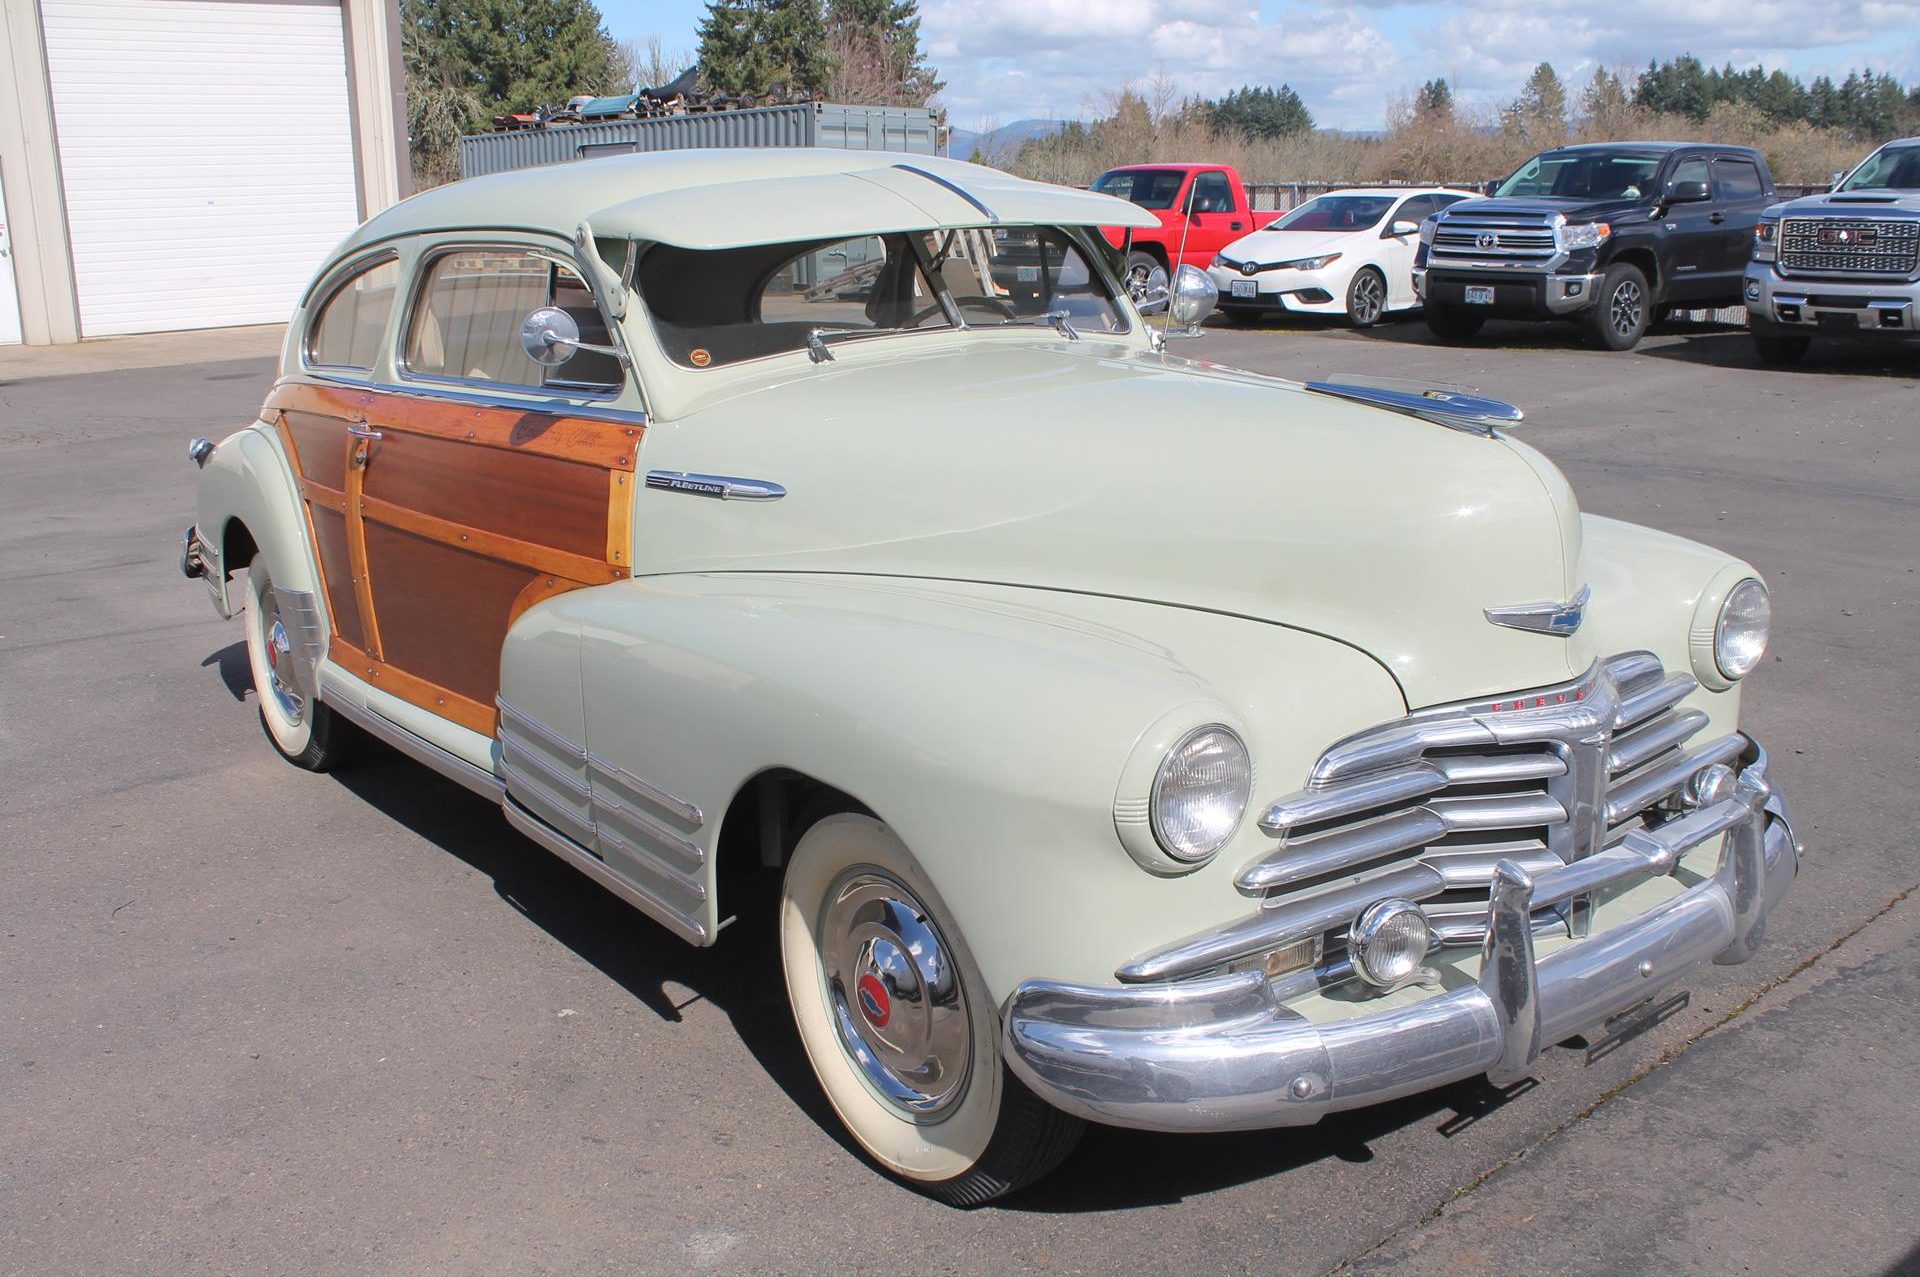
{"x": 305, "y": 732}
{"x": 1450, "y": 324}
{"x": 1619, "y": 318}
{"x": 1366, "y": 297}
{"x": 898, "y": 1025}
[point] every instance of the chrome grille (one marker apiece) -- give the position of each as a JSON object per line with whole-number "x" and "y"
{"x": 1423, "y": 808}
{"x": 1880, "y": 246}
{"x": 1492, "y": 237}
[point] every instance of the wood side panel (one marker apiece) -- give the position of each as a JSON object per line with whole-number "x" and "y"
{"x": 607, "y": 444}
{"x": 317, "y": 444}
{"x": 357, "y": 455}
{"x": 336, "y": 571}
{"x": 533, "y": 499}
{"x": 458, "y": 536}
{"x": 444, "y": 612}
{"x": 449, "y": 704}
{"x": 620, "y": 487}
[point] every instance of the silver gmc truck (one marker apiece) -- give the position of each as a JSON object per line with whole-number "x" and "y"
{"x": 1844, "y": 265}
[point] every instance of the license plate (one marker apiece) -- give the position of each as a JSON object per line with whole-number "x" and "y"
{"x": 1479, "y": 294}
{"x": 1247, "y": 289}
{"x": 1838, "y": 319}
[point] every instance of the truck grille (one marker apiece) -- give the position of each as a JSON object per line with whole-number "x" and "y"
{"x": 1424, "y": 807}
{"x": 1511, "y": 239}
{"x": 1850, "y": 246}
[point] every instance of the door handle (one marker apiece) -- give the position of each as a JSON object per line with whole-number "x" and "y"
{"x": 1717, "y": 218}
{"x": 1233, "y": 225}
{"x": 360, "y": 430}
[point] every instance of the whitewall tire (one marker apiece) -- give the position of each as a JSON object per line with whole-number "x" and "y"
{"x": 305, "y": 732}
{"x": 897, "y": 1022}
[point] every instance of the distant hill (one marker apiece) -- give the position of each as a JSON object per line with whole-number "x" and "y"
{"x": 1002, "y": 141}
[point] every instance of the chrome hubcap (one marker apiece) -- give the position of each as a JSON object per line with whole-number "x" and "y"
{"x": 280, "y": 663}
{"x": 1628, "y": 306}
{"x": 895, "y": 995}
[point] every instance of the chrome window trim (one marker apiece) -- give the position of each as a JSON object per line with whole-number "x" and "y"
{"x": 328, "y": 290}
{"x": 434, "y": 390}
{"x": 416, "y": 292}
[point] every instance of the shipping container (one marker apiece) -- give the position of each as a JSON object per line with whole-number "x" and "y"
{"x": 909, "y": 130}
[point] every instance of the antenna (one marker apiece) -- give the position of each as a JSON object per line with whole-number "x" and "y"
{"x": 1173, "y": 274}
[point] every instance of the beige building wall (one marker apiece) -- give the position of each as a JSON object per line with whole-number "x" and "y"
{"x": 30, "y": 156}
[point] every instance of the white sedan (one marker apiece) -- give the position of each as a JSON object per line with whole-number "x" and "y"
{"x": 1344, "y": 253}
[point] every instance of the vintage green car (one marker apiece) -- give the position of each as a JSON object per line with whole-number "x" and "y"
{"x": 1135, "y": 740}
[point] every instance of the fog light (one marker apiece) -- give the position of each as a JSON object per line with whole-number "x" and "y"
{"x": 1710, "y": 786}
{"x": 1389, "y": 942}
{"x": 1753, "y": 290}
{"x": 1575, "y": 288}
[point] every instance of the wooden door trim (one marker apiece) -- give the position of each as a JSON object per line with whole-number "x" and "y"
{"x": 413, "y": 689}
{"x": 359, "y": 451}
{"x": 493, "y": 545}
{"x": 511, "y": 427}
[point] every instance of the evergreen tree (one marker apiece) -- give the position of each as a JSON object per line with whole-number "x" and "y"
{"x": 1538, "y": 117}
{"x": 1435, "y": 99}
{"x": 1679, "y": 87}
{"x": 1261, "y": 112}
{"x": 748, "y": 46}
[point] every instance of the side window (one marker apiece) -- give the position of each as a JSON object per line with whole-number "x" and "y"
{"x": 1417, "y": 209}
{"x": 1212, "y": 193}
{"x": 466, "y": 321}
{"x": 1738, "y": 179}
{"x": 1694, "y": 170}
{"x": 346, "y": 329}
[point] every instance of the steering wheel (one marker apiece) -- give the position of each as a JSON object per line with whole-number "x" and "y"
{"x": 984, "y": 303}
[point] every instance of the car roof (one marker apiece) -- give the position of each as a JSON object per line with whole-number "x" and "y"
{"x": 1397, "y": 190}
{"x": 1654, "y": 146}
{"x": 734, "y": 198}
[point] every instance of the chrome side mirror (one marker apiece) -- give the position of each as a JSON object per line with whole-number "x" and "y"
{"x": 550, "y": 337}
{"x": 1194, "y": 297}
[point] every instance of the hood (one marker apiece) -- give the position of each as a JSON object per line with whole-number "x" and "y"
{"x": 1284, "y": 246}
{"x": 1867, "y": 203}
{"x": 1090, "y": 468}
{"x": 1547, "y": 206}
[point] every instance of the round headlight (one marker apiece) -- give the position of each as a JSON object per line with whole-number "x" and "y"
{"x": 1740, "y": 636}
{"x": 1200, "y": 793}
{"x": 1389, "y": 942}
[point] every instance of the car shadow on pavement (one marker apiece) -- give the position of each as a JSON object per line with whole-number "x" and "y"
{"x": 1728, "y": 347}
{"x": 235, "y": 673}
{"x": 740, "y": 978}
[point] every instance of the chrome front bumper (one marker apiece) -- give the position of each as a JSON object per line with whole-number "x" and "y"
{"x": 1886, "y": 309}
{"x": 1224, "y": 1054}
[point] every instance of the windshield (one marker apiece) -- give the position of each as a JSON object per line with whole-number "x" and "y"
{"x": 717, "y": 307}
{"x": 1149, "y": 188}
{"x": 1337, "y": 213}
{"x": 1895, "y": 166}
{"x": 1589, "y": 175}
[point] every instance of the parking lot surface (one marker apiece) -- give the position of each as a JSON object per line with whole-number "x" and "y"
{"x": 260, "y": 1021}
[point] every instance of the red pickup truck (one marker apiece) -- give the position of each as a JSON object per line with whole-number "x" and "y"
{"x": 1202, "y": 208}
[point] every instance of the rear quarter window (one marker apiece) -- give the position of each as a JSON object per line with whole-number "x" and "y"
{"x": 348, "y": 326}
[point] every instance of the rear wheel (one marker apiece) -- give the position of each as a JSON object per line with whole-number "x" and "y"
{"x": 1619, "y": 319}
{"x": 1451, "y": 324}
{"x": 306, "y": 733}
{"x": 1366, "y": 297}
{"x": 897, "y": 1022}
{"x": 1778, "y": 352}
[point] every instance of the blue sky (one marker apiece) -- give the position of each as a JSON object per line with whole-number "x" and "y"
{"x": 1008, "y": 59}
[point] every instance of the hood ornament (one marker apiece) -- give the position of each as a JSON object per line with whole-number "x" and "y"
{"x": 1459, "y": 407}
{"x": 1558, "y": 619}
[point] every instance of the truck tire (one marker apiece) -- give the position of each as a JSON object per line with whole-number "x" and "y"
{"x": 1451, "y": 324}
{"x": 1779, "y": 352}
{"x": 1156, "y": 269}
{"x": 1620, "y": 315}
{"x": 898, "y": 1025}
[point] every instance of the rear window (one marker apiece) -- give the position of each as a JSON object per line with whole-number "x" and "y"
{"x": 1149, "y": 188}
{"x": 348, "y": 326}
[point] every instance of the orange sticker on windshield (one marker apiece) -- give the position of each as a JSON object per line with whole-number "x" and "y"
{"x": 700, "y": 357}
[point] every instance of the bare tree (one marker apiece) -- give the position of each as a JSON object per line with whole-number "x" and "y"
{"x": 646, "y": 62}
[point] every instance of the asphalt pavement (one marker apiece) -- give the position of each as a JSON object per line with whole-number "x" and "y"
{"x": 260, "y": 1021}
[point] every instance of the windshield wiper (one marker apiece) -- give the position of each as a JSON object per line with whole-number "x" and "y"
{"x": 1058, "y": 320}
{"x": 821, "y": 353}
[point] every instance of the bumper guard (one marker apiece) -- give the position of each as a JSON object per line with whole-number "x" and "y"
{"x": 1223, "y": 1053}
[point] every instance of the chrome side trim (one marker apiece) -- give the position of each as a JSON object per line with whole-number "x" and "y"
{"x": 1454, "y": 407}
{"x": 1562, "y": 620}
{"x": 300, "y": 613}
{"x": 680, "y": 807}
{"x": 593, "y": 867}
{"x": 419, "y": 749}
{"x": 720, "y": 486}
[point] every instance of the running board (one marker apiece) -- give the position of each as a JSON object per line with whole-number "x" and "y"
{"x": 420, "y": 750}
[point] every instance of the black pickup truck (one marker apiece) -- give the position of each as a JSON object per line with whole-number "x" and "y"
{"x": 1611, "y": 235}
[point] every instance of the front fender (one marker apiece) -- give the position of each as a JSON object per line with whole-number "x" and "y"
{"x": 248, "y": 482}
{"x": 989, "y": 726}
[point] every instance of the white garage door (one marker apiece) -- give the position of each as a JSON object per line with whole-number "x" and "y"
{"x": 206, "y": 148}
